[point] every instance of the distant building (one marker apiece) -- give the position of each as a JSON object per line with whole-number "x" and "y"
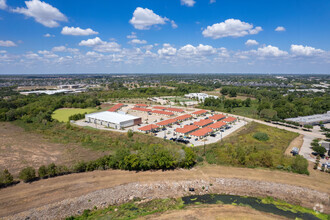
{"x": 113, "y": 119}
{"x": 311, "y": 119}
{"x": 325, "y": 144}
{"x": 199, "y": 96}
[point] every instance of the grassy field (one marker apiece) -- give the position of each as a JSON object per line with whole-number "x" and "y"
{"x": 243, "y": 149}
{"x": 63, "y": 114}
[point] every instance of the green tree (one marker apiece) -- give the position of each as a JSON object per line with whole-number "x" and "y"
{"x": 319, "y": 149}
{"x": 5, "y": 178}
{"x": 300, "y": 165}
{"x": 28, "y": 174}
{"x": 42, "y": 171}
{"x": 52, "y": 170}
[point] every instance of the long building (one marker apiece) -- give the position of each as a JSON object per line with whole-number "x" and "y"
{"x": 312, "y": 119}
{"x": 113, "y": 119}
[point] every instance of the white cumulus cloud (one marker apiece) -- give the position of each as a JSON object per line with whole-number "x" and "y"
{"x": 280, "y": 28}
{"x": 138, "y": 41}
{"x": 3, "y": 4}
{"x": 251, "y": 42}
{"x": 300, "y": 50}
{"x": 144, "y": 19}
{"x": 132, "y": 35}
{"x": 42, "y": 12}
{"x": 77, "y": 31}
{"x": 230, "y": 28}
{"x": 271, "y": 51}
{"x": 167, "y": 51}
{"x": 7, "y": 43}
{"x": 65, "y": 49}
{"x": 91, "y": 42}
{"x": 189, "y": 3}
{"x": 49, "y": 35}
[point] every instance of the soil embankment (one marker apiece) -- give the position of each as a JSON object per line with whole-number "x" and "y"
{"x": 66, "y": 195}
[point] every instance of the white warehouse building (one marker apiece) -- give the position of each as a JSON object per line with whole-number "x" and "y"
{"x": 200, "y": 96}
{"x": 113, "y": 119}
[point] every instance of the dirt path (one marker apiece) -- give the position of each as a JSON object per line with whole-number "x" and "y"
{"x": 297, "y": 142}
{"x": 27, "y": 196}
{"x": 19, "y": 149}
{"x": 211, "y": 212}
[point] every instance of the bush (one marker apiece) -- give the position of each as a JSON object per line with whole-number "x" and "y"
{"x": 6, "y": 178}
{"x": 79, "y": 167}
{"x": 28, "y": 174}
{"x": 260, "y": 136}
{"x": 300, "y": 165}
{"x": 43, "y": 172}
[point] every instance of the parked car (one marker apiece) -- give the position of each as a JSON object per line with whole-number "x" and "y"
{"x": 213, "y": 135}
{"x": 196, "y": 139}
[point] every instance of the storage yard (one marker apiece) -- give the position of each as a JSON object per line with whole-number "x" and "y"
{"x": 193, "y": 127}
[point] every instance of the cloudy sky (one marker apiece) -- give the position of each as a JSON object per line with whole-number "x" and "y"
{"x": 164, "y": 36}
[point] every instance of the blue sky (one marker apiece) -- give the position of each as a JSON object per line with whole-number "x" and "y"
{"x": 164, "y": 36}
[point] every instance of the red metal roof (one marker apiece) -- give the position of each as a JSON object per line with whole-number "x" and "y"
{"x": 162, "y": 112}
{"x": 217, "y": 125}
{"x": 141, "y": 109}
{"x": 148, "y": 127}
{"x": 115, "y": 107}
{"x": 202, "y": 132}
{"x": 167, "y": 122}
{"x": 175, "y": 109}
{"x": 217, "y": 117}
{"x": 183, "y": 117}
{"x": 203, "y": 122}
{"x": 186, "y": 129}
{"x": 199, "y": 112}
{"x": 141, "y": 105}
{"x": 229, "y": 119}
{"x": 159, "y": 107}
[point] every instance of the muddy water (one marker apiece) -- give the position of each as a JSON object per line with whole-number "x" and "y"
{"x": 255, "y": 203}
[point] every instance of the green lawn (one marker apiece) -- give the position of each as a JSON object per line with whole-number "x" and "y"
{"x": 63, "y": 114}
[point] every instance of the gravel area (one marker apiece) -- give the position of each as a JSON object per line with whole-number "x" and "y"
{"x": 165, "y": 189}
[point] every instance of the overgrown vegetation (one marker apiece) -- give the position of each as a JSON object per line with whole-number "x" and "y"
{"x": 131, "y": 210}
{"x": 244, "y": 149}
{"x": 145, "y": 157}
{"x": 138, "y": 208}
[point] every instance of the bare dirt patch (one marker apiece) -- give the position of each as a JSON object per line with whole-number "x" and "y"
{"x": 211, "y": 212}
{"x": 19, "y": 149}
{"x": 297, "y": 142}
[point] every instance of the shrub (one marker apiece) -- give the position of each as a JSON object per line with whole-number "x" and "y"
{"x": 79, "y": 167}
{"x": 300, "y": 165}
{"x": 130, "y": 133}
{"x": 28, "y": 174}
{"x": 51, "y": 170}
{"x": 260, "y": 136}
{"x": 5, "y": 178}
{"x": 42, "y": 171}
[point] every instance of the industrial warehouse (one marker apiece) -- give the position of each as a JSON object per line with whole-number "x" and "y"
{"x": 312, "y": 119}
{"x": 113, "y": 119}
